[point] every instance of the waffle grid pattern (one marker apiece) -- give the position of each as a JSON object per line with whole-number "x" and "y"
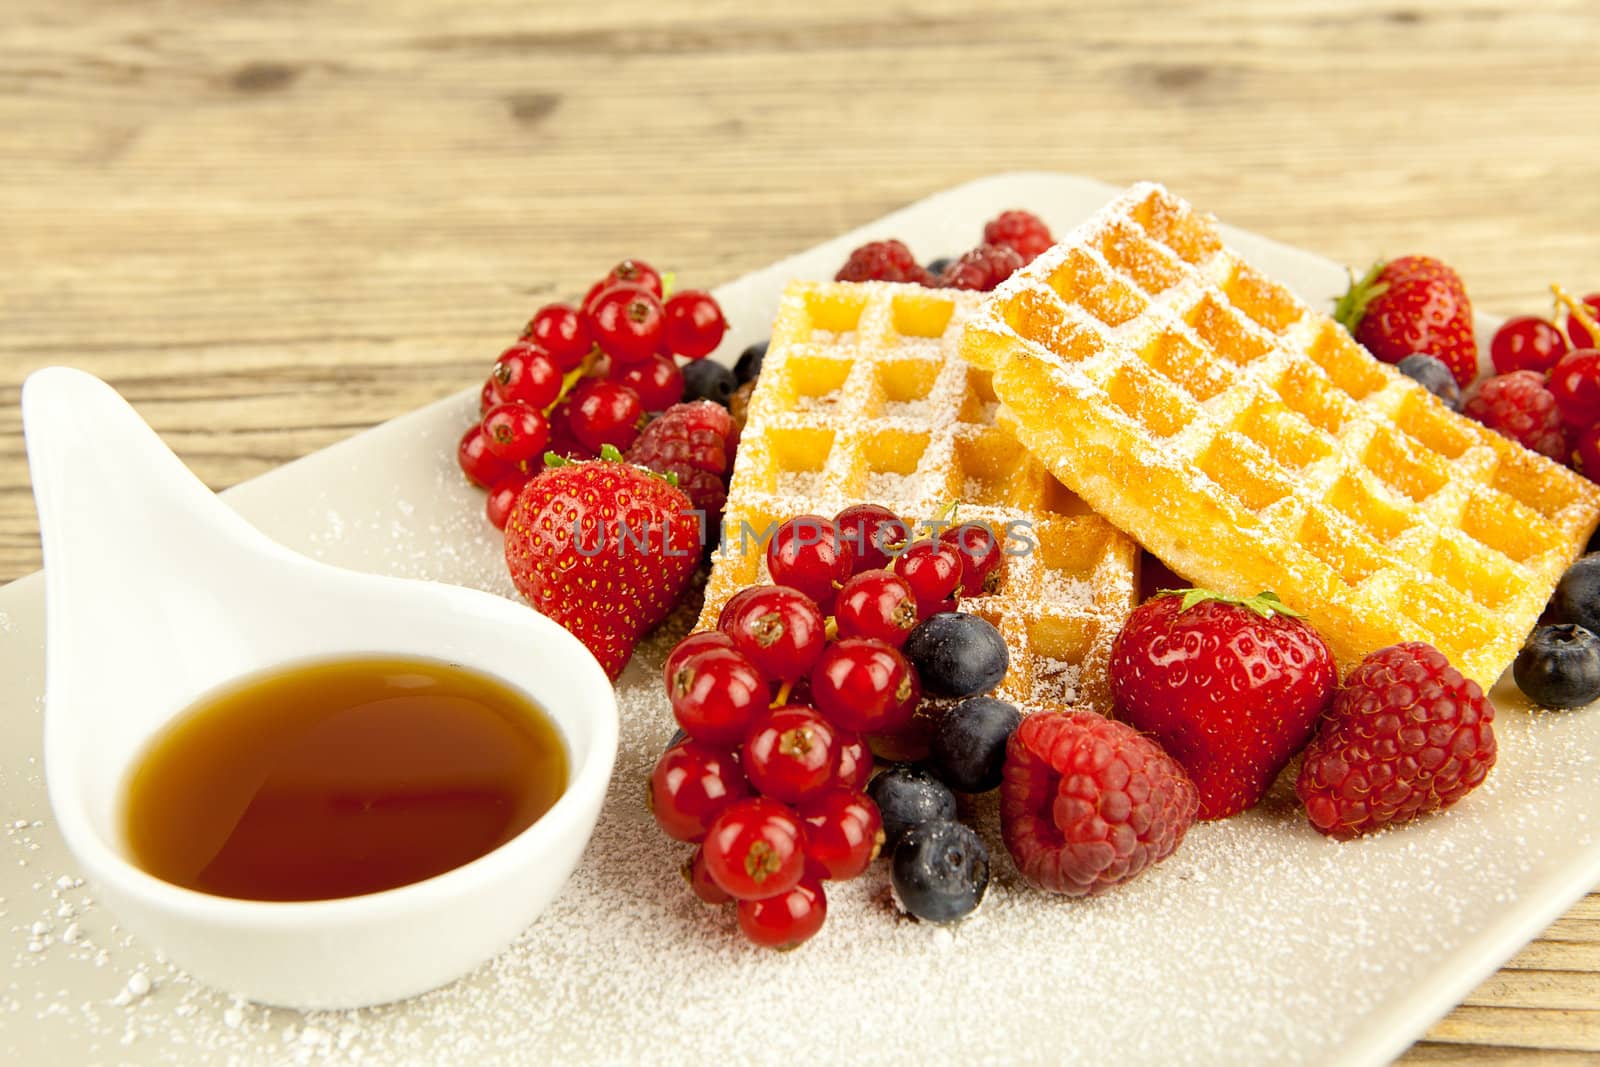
{"x": 1250, "y": 443}
{"x": 864, "y": 398}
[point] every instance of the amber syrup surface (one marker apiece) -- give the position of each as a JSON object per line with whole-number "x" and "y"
{"x": 339, "y": 778}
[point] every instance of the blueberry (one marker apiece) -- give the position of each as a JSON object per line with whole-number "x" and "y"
{"x": 1577, "y": 596}
{"x": 750, "y": 360}
{"x": 1559, "y": 667}
{"x": 940, "y": 870}
{"x": 969, "y": 744}
{"x": 937, "y": 267}
{"x": 908, "y": 796}
{"x": 957, "y": 655}
{"x": 1432, "y": 374}
{"x": 705, "y": 380}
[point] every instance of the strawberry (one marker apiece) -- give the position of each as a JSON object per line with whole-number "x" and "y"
{"x": 604, "y": 548}
{"x": 1231, "y": 688}
{"x": 1412, "y": 304}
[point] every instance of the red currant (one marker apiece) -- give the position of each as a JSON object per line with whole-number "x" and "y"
{"x": 855, "y": 761}
{"x": 876, "y": 604}
{"x": 487, "y": 396}
{"x": 787, "y": 920}
{"x": 875, "y": 533}
{"x": 562, "y": 440}
{"x": 657, "y": 380}
{"x": 808, "y": 553}
{"x": 779, "y": 628}
{"x": 627, "y": 324}
{"x": 482, "y": 467}
{"x": 790, "y": 753}
{"x": 688, "y": 647}
{"x": 559, "y": 330}
{"x": 1575, "y": 383}
{"x": 635, "y": 272}
{"x": 526, "y": 373}
{"x": 694, "y": 324}
{"x": 502, "y": 498}
{"x": 691, "y": 785}
{"x": 1577, "y": 332}
{"x": 699, "y": 879}
{"x": 867, "y": 685}
{"x": 755, "y": 849}
{"x": 933, "y": 570}
{"x": 515, "y": 431}
{"x": 844, "y": 832}
{"x": 592, "y": 297}
{"x": 604, "y": 413}
{"x": 716, "y": 694}
{"x": 983, "y": 563}
{"x": 1588, "y": 453}
{"x": 1526, "y": 343}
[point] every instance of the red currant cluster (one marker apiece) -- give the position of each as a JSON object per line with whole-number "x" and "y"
{"x": 1545, "y": 393}
{"x": 581, "y": 378}
{"x": 778, "y": 704}
{"x": 1010, "y": 240}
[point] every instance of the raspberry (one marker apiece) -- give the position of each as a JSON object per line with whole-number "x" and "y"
{"x": 699, "y": 434}
{"x": 883, "y": 261}
{"x": 695, "y": 443}
{"x": 981, "y": 269}
{"x": 1406, "y": 735}
{"x": 707, "y": 492}
{"x": 1021, "y": 231}
{"x": 1519, "y": 406}
{"x": 1087, "y": 803}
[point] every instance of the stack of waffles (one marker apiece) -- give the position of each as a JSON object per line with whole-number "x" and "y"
{"x": 1140, "y": 377}
{"x": 864, "y": 398}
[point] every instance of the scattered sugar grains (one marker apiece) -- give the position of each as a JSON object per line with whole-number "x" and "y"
{"x": 1231, "y": 951}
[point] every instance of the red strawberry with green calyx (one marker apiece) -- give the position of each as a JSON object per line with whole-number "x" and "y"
{"x": 604, "y": 548}
{"x": 1232, "y": 688}
{"x": 1408, "y": 305}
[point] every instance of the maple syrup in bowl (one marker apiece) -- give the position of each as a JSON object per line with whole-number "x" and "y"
{"x": 400, "y": 857}
{"x": 338, "y": 778}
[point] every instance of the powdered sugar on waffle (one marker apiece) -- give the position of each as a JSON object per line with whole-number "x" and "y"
{"x": 1252, "y": 444}
{"x": 887, "y": 412}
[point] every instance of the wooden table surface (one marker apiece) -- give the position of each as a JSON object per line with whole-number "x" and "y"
{"x": 272, "y": 224}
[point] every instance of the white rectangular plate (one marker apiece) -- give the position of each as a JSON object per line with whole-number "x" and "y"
{"x": 1258, "y": 941}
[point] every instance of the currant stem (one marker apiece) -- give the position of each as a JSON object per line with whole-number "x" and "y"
{"x": 573, "y": 377}
{"x": 1578, "y": 308}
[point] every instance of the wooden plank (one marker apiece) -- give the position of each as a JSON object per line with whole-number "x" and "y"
{"x": 1543, "y": 1028}
{"x": 1439, "y": 1054}
{"x": 276, "y": 224}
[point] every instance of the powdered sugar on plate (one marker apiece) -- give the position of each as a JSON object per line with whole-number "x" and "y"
{"x": 1231, "y": 944}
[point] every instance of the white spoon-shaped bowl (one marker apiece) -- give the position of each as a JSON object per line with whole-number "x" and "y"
{"x": 157, "y": 594}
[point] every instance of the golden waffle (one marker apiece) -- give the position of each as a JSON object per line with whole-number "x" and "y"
{"x": 1248, "y": 442}
{"x": 863, "y": 397}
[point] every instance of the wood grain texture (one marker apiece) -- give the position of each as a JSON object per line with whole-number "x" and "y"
{"x": 274, "y": 223}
